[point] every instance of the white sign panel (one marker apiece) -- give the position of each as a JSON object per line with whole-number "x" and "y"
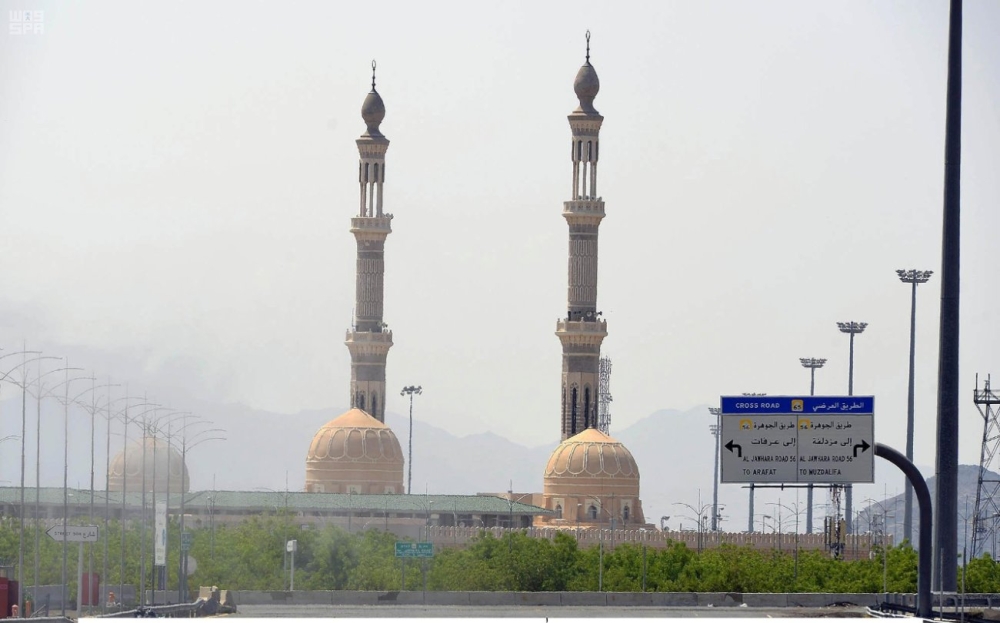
{"x": 160, "y": 550}
{"x": 808, "y": 439}
{"x": 74, "y": 534}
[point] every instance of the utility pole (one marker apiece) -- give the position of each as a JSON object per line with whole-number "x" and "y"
{"x": 946, "y": 468}
{"x": 716, "y": 430}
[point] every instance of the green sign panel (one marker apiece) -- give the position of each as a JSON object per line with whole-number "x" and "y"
{"x": 186, "y": 538}
{"x": 414, "y": 550}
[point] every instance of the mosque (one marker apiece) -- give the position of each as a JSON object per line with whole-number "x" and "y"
{"x": 591, "y": 478}
{"x": 354, "y": 463}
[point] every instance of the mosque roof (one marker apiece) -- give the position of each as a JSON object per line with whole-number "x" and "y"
{"x": 292, "y": 500}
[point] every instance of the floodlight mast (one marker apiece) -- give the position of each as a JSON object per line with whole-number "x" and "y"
{"x": 852, "y": 328}
{"x": 912, "y": 277}
{"x": 812, "y": 364}
{"x": 410, "y": 390}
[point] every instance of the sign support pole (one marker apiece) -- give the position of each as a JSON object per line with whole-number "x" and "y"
{"x": 79, "y": 583}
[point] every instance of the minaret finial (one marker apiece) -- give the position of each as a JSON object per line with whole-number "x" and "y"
{"x": 373, "y": 64}
{"x": 588, "y": 47}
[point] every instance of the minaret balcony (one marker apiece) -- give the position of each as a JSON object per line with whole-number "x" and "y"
{"x": 368, "y": 342}
{"x": 372, "y": 337}
{"x": 582, "y": 332}
{"x": 372, "y": 223}
{"x": 584, "y": 209}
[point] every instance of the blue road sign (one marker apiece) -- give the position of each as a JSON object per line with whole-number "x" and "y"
{"x": 797, "y": 439}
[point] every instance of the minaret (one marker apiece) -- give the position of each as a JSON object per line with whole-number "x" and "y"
{"x": 582, "y": 331}
{"x": 369, "y": 340}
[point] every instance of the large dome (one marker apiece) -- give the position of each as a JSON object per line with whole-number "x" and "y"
{"x": 593, "y": 478}
{"x": 354, "y": 453}
{"x": 594, "y": 458}
{"x": 162, "y": 463}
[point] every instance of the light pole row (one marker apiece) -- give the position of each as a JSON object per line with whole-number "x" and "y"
{"x": 37, "y": 387}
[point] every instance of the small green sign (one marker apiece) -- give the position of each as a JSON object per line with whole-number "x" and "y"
{"x": 405, "y": 549}
{"x": 186, "y": 538}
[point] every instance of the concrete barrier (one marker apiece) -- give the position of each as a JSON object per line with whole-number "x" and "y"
{"x": 507, "y": 598}
{"x": 630, "y": 599}
{"x": 537, "y": 599}
{"x": 584, "y": 599}
{"x": 766, "y": 600}
{"x": 484, "y": 598}
{"x": 443, "y": 598}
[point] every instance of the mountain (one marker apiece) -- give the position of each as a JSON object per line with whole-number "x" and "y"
{"x": 263, "y": 450}
{"x": 968, "y": 483}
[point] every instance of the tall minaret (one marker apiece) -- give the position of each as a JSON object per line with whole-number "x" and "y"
{"x": 369, "y": 340}
{"x": 582, "y": 331}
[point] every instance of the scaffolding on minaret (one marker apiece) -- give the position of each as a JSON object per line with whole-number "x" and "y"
{"x": 987, "y": 511}
{"x": 604, "y": 396}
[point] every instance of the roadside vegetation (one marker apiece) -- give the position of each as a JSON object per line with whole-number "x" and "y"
{"x": 251, "y": 556}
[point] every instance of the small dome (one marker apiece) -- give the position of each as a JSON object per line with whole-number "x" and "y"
{"x": 354, "y": 453}
{"x": 162, "y": 463}
{"x": 373, "y": 111}
{"x": 586, "y": 86}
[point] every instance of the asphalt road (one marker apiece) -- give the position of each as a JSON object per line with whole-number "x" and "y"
{"x": 537, "y": 612}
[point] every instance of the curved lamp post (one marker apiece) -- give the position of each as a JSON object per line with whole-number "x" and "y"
{"x": 23, "y": 384}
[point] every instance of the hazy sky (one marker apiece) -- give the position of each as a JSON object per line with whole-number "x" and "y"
{"x": 177, "y": 182}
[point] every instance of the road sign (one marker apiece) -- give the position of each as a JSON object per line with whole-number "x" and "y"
{"x": 186, "y": 538}
{"x": 74, "y": 534}
{"x": 798, "y": 439}
{"x": 160, "y": 536}
{"x": 405, "y": 549}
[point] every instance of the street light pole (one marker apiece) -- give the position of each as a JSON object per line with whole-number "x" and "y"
{"x": 812, "y": 364}
{"x": 852, "y": 328}
{"x": 912, "y": 277}
{"x": 410, "y": 390}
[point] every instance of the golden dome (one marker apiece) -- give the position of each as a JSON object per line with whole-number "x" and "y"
{"x": 162, "y": 462}
{"x": 354, "y": 453}
{"x": 592, "y": 479}
{"x": 589, "y": 455}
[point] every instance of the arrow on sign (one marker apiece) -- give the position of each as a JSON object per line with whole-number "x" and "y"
{"x": 862, "y": 446}
{"x": 739, "y": 449}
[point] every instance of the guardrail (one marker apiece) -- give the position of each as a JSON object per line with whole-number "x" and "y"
{"x": 172, "y": 611}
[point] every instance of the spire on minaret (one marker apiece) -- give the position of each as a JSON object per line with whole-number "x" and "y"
{"x": 369, "y": 339}
{"x": 583, "y": 330}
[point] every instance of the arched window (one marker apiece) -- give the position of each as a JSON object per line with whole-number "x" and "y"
{"x": 375, "y": 179}
{"x": 366, "y": 172}
{"x": 625, "y": 513}
{"x": 590, "y": 151}
{"x": 559, "y": 511}
{"x": 375, "y": 406}
{"x": 361, "y": 401}
{"x": 579, "y": 150}
{"x": 572, "y": 407}
{"x": 586, "y": 407}
{"x": 592, "y": 512}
